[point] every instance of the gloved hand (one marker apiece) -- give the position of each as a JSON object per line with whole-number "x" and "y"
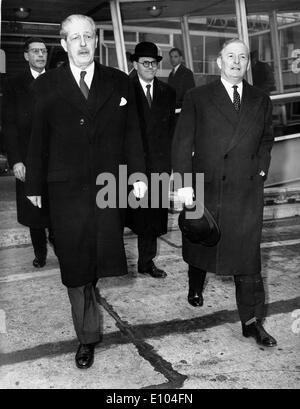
{"x": 139, "y": 189}
{"x": 186, "y": 195}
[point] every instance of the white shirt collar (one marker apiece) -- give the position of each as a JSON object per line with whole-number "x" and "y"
{"x": 144, "y": 86}
{"x": 176, "y": 68}
{"x": 88, "y": 76}
{"x": 228, "y": 86}
{"x": 36, "y": 74}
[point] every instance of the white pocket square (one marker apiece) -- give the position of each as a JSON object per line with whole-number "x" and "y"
{"x": 123, "y": 101}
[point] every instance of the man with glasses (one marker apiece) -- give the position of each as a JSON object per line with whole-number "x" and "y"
{"x": 85, "y": 125}
{"x": 17, "y": 121}
{"x": 156, "y": 111}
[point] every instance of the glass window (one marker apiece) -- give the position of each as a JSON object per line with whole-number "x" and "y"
{"x": 108, "y": 35}
{"x": 290, "y": 57}
{"x": 197, "y": 53}
{"x": 155, "y": 38}
{"x": 130, "y": 37}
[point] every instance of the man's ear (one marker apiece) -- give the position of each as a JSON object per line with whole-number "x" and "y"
{"x": 219, "y": 62}
{"x": 96, "y": 43}
{"x": 63, "y": 43}
{"x": 26, "y": 56}
{"x": 135, "y": 65}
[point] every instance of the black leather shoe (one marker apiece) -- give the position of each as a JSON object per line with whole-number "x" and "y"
{"x": 195, "y": 298}
{"x": 154, "y": 271}
{"x": 39, "y": 262}
{"x": 257, "y": 331}
{"x": 84, "y": 357}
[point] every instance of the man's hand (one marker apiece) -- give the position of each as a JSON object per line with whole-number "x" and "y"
{"x": 139, "y": 189}
{"x": 186, "y": 195}
{"x": 19, "y": 171}
{"x": 36, "y": 200}
{"x": 262, "y": 173}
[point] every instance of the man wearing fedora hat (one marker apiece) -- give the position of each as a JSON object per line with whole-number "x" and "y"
{"x": 156, "y": 112}
{"x": 224, "y": 131}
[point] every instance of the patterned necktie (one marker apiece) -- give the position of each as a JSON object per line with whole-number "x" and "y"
{"x": 82, "y": 84}
{"x": 236, "y": 99}
{"x": 148, "y": 95}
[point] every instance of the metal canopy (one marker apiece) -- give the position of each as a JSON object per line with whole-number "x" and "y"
{"x": 54, "y": 11}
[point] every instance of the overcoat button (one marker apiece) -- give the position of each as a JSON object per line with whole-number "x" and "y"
{"x": 223, "y": 177}
{"x": 251, "y": 177}
{"x": 81, "y": 121}
{"x": 225, "y": 156}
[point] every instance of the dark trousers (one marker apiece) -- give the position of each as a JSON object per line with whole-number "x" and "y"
{"x": 249, "y": 291}
{"x": 39, "y": 241}
{"x": 147, "y": 248}
{"x": 85, "y": 313}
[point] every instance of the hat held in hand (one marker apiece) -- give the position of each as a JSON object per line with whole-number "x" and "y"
{"x": 203, "y": 230}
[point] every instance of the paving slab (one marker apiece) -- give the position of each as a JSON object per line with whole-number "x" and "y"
{"x": 114, "y": 367}
{"x": 152, "y": 337}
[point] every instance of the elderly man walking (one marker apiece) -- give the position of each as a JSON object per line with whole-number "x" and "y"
{"x": 224, "y": 131}
{"x": 85, "y": 125}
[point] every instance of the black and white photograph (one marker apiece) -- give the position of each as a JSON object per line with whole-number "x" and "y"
{"x": 149, "y": 197}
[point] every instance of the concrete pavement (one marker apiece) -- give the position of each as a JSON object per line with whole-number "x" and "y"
{"x": 152, "y": 337}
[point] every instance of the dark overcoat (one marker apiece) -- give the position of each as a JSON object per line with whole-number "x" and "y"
{"x": 73, "y": 141}
{"x": 181, "y": 81}
{"x": 231, "y": 149}
{"x": 157, "y": 128}
{"x": 17, "y": 121}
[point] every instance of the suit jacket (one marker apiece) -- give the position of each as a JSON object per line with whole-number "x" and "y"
{"x": 77, "y": 145}
{"x": 231, "y": 149}
{"x": 17, "y": 122}
{"x": 157, "y": 128}
{"x": 182, "y": 81}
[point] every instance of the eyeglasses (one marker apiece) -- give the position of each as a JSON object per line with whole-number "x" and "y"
{"x": 38, "y": 50}
{"x": 148, "y": 64}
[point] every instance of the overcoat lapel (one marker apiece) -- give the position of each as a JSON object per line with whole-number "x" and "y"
{"x": 26, "y": 79}
{"x": 157, "y": 105}
{"x": 70, "y": 90}
{"x": 105, "y": 85}
{"x": 250, "y": 106}
{"x": 142, "y": 103}
{"x": 222, "y": 101}
{"x": 243, "y": 120}
{"x": 102, "y": 87}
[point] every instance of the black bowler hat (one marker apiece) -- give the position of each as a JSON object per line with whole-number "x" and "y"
{"x": 203, "y": 230}
{"x": 145, "y": 49}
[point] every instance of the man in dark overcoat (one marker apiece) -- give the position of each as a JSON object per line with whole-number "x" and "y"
{"x": 17, "y": 121}
{"x": 156, "y": 108}
{"x": 225, "y": 132}
{"x": 85, "y": 125}
{"x": 180, "y": 78}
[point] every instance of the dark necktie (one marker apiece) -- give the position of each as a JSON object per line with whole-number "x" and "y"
{"x": 82, "y": 84}
{"x": 148, "y": 95}
{"x": 236, "y": 98}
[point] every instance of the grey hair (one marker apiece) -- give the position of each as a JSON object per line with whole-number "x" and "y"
{"x": 71, "y": 19}
{"x": 233, "y": 40}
